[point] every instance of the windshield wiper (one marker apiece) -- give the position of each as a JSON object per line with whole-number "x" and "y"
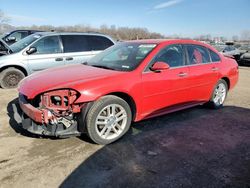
{"x": 103, "y": 67}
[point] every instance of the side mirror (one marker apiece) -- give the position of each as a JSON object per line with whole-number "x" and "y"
{"x": 159, "y": 66}
{"x": 31, "y": 50}
{"x": 11, "y": 39}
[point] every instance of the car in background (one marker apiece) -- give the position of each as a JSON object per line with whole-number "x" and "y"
{"x": 230, "y": 50}
{"x": 245, "y": 58}
{"x": 4, "y": 48}
{"x": 219, "y": 47}
{"x": 44, "y": 50}
{"x": 16, "y": 35}
{"x": 129, "y": 81}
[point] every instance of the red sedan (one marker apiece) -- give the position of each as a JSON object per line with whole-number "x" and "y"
{"x": 126, "y": 83}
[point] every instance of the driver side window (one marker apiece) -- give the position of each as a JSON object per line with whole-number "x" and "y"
{"x": 172, "y": 55}
{"x": 48, "y": 45}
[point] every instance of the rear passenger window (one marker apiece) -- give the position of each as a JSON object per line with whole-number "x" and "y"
{"x": 75, "y": 43}
{"x": 197, "y": 54}
{"x": 172, "y": 55}
{"x": 99, "y": 43}
{"x": 214, "y": 56}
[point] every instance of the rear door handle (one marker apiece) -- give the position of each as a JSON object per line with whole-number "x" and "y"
{"x": 69, "y": 58}
{"x": 182, "y": 74}
{"x": 215, "y": 69}
{"x": 59, "y": 59}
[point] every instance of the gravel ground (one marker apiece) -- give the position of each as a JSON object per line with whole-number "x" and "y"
{"x": 197, "y": 147}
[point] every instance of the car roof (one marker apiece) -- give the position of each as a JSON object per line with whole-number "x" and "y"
{"x": 69, "y": 33}
{"x": 172, "y": 41}
{"x": 73, "y": 33}
{"x": 162, "y": 41}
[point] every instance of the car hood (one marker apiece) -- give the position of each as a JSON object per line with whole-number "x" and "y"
{"x": 62, "y": 77}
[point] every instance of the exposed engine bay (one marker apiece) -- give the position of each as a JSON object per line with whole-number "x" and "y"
{"x": 57, "y": 107}
{"x": 55, "y": 113}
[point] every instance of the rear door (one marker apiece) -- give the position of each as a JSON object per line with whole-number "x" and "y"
{"x": 203, "y": 73}
{"x": 48, "y": 54}
{"x": 76, "y": 49}
{"x": 169, "y": 87}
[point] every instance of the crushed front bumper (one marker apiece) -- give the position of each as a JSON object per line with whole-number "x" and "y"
{"x": 49, "y": 130}
{"x": 34, "y": 120}
{"x": 34, "y": 113}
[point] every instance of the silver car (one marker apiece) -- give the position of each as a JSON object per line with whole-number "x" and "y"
{"x": 44, "y": 50}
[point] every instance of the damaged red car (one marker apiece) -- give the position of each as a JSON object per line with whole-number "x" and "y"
{"x": 126, "y": 83}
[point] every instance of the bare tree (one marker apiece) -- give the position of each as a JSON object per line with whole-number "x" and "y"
{"x": 3, "y": 18}
{"x": 245, "y": 35}
{"x": 235, "y": 38}
{"x": 120, "y": 33}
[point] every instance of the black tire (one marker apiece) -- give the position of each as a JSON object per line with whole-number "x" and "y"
{"x": 97, "y": 107}
{"x": 212, "y": 103}
{"x": 10, "y": 77}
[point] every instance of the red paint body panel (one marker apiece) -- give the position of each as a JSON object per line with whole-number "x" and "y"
{"x": 150, "y": 91}
{"x": 28, "y": 109}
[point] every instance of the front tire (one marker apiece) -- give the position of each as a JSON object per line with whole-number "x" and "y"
{"x": 10, "y": 77}
{"x": 108, "y": 119}
{"x": 219, "y": 94}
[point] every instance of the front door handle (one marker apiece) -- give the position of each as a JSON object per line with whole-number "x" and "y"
{"x": 69, "y": 58}
{"x": 182, "y": 74}
{"x": 215, "y": 69}
{"x": 59, "y": 59}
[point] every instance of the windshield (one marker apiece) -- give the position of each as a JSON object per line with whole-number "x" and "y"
{"x": 122, "y": 56}
{"x": 21, "y": 44}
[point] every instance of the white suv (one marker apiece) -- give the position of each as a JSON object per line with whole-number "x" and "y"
{"x": 44, "y": 50}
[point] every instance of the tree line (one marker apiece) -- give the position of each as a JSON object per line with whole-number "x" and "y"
{"x": 119, "y": 33}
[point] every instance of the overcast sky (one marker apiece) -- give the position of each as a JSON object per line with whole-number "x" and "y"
{"x": 187, "y": 18}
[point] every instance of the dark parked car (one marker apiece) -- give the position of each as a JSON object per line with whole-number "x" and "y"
{"x": 245, "y": 59}
{"x": 4, "y": 48}
{"x": 230, "y": 50}
{"x": 16, "y": 35}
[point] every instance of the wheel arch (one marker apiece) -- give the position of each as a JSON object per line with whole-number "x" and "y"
{"x": 129, "y": 100}
{"x": 15, "y": 66}
{"x": 226, "y": 79}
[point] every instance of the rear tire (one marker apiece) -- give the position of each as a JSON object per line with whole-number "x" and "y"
{"x": 108, "y": 119}
{"x": 219, "y": 95}
{"x": 10, "y": 77}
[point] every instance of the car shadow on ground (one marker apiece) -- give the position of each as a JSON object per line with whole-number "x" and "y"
{"x": 197, "y": 147}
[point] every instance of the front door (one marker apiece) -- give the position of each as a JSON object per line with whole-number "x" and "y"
{"x": 48, "y": 54}
{"x": 169, "y": 87}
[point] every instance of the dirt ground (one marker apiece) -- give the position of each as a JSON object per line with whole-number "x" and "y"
{"x": 197, "y": 147}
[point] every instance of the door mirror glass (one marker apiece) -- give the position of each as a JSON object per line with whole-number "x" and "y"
{"x": 159, "y": 66}
{"x": 31, "y": 50}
